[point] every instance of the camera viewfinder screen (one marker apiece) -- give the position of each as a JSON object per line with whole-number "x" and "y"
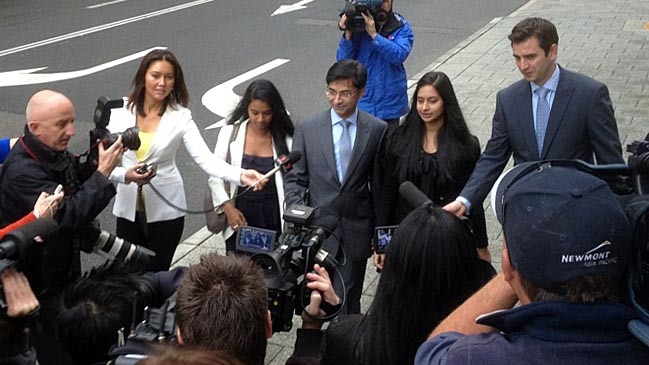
{"x": 383, "y": 236}
{"x": 254, "y": 240}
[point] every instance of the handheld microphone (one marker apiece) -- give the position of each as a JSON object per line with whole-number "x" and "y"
{"x": 413, "y": 196}
{"x": 284, "y": 163}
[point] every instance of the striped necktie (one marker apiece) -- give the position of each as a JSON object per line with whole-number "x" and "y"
{"x": 542, "y": 116}
{"x": 345, "y": 147}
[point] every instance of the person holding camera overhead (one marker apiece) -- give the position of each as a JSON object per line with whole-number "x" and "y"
{"x": 382, "y": 46}
{"x": 257, "y": 132}
{"x": 434, "y": 150}
{"x": 157, "y": 105}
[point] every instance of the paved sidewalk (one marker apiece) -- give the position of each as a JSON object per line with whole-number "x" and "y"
{"x": 605, "y": 39}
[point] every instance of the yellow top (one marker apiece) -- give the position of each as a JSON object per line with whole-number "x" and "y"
{"x": 145, "y": 144}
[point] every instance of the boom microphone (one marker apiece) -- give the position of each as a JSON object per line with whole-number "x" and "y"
{"x": 17, "y": 243}
{"x": 413, "y": 196}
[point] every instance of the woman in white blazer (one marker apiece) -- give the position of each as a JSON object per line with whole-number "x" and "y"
{"x": 158, "y": 107}
{"x": 264, "y": 131}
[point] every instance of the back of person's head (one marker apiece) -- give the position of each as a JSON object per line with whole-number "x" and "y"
{"x": 187, "y": 355}
{"x": 542, "y": 29}
{"x": 96, "y": 306}
{"x": 566, "y": 234}
{"x": 222, "y": 304}
{"x": 348, "y": 69}
{"x": 431, "y": 266}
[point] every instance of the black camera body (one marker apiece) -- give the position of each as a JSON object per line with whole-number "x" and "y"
{"x": 286, "y": 263}
{"x": 354, "y": 9}
{"x": 130, "y": 137}
{"x": 638, "y": 211}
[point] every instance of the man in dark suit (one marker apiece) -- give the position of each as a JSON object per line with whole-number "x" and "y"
{"x": 552, "y": 114}
{"x": 338, "y": 149}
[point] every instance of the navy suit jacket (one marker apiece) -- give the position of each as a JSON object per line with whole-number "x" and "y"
{"x": 581, "y": 125}
{"x": 351, "y": 201}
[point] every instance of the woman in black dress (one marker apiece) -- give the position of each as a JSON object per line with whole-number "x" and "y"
{"x": 256, "y": 133}
{"x": 433, "y": 149}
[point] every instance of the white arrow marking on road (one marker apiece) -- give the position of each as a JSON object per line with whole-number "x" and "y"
{"x": 28, "y": 77}
{"x": 221, "y": 99}
{"x": 293, "y": 7}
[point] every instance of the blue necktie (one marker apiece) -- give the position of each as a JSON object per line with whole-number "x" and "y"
{"x": 542, "y": 116}
{"x": 345, "y": 150}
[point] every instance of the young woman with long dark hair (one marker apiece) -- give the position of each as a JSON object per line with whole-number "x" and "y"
{"x": 433, "y": 149}
{"x": 256, "y": 133}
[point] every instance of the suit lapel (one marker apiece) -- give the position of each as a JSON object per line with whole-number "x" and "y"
{"x": 325, "y": 135}
{"x": 526, "y": 119}
{"x": 363, "y": 130}
{"x": 561, "y": 100}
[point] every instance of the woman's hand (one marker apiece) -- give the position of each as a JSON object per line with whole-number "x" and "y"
{"x": 321, "y": 289}
{"x": 47, "y": 204}
{"x": 236, "y": 219}
{"x": 141, "y": 179}
{"x": 379, "y": 260}
{"x": 253, "y": 178}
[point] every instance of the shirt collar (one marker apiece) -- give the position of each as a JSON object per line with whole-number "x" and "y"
{"x": 335, "y": 118}
{"x": 552, "y": 83}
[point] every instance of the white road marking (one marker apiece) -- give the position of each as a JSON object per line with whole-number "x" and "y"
{"x": 104, "y": 4}
{"x": 99, "y": 28}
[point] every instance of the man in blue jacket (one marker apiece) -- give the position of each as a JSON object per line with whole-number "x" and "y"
{"x": 382, "y": 48}
{"x": 567, "y": 246}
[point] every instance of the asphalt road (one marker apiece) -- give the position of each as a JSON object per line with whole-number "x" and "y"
{"x": 215, "y": 40}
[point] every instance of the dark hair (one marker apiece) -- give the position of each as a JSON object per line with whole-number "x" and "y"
{"x": 582, "y": 289}
{"x": 281, "y": 124}
{"x": 431, "y": 267}
{"x": 455, "y": 144}
{"x": 348, "y": 69}
{"x": 178, "y": 95}
{"x": 540, "y": 28}
{"x": 96, "y": 306}
{"x": 187, "y": 355}
{"x": 222, "y": 304}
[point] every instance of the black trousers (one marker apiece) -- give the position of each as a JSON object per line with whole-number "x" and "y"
{"x": 161, "y": 237}
{"x": 353, "y": 273}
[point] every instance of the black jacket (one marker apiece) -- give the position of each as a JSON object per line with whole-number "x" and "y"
{"x": 32, "y": 168}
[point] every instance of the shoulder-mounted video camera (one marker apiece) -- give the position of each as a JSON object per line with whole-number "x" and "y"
{"x": 286, "y": 261}
{"x": 354, "y": 9}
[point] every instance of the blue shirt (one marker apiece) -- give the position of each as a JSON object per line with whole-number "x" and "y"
{"x": 337, "y": 131}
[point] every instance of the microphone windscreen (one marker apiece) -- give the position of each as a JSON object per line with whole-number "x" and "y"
{"x": 43, "y": 227}
{"x": 294, "y": 156}
{"x": 412, "y": 195}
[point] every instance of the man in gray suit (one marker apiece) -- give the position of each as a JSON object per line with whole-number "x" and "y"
{"x": 335, "y": 173}
{"x": 552, "y": 114}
